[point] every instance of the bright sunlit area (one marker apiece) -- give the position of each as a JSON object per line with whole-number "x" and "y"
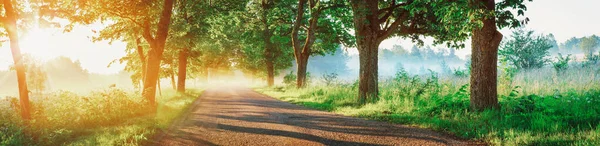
{"x": 299, "y": 72}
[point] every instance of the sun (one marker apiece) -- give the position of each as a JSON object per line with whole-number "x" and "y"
{"x": 37, "y": 42}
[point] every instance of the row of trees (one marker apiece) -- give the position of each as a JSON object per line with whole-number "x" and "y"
{"x": 587, "y": 45}
{"x": 262, "y": 36}
{"x": 372, "y": 22}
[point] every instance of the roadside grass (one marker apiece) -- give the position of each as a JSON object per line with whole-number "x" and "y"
{"x": 537, "y": 107}
{"x": 106, "y": 117}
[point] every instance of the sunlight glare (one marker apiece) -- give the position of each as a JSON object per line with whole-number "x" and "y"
{"x": 36, "y": 42}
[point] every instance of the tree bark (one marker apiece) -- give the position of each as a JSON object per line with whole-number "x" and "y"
{"x": 142, "y": 57}
{"x": 368, "y": 89}
{"x": 173, "y": 83}
{"x": 270, "y": 73}
{"x": 155, "y": 55}
{"x": 485, "y": 42}
{"x": 158, "y": 85}
{"x": 10, "y": 24}
{"x": 182, "y": 72}
{"x": 302, "y": 64}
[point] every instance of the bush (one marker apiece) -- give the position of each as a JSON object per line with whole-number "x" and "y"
{"x": 562, "y": 63}
{"x": 329, "y": 78}
{"x": 458, "y": 72}
{"x": 290, "y": 79}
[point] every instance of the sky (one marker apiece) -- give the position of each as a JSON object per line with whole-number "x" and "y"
{"x": 45, "y": 44}
{"x": 564, "y": 19}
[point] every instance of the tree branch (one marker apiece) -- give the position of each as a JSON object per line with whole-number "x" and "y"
{"x": 390, "y": 11}
{"x": 295, "y": 28}
{"x": 386, "y": 32}
{"x": 125, "y": 17}
{"x": 146, "y": 33}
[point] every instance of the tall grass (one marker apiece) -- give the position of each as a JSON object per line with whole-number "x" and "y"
{"x": 538, "y": 107}
{"x": 106, "y": 117}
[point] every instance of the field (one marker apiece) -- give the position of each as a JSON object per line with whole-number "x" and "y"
{"x": 538, "y": 107}
{"x": 110, "y": 116}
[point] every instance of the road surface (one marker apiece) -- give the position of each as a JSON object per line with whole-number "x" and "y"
{"x": 238, "y": 116}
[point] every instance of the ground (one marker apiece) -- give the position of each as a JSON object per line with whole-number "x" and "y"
{"x": 239, "y": 116}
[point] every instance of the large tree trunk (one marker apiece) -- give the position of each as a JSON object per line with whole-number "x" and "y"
{"x": 173, "y": 83}
{"x": 485, "y": 42}
{"x": 368, "y": 89}
{"x": 302, "y": 63}
{"x": 151, "y": 77}
{"x": 155, "y": 55}
{"x": 270, "y": 73}
{"x": 182, "y": 72}
{"x": 369, "y": 35}
{"x": 10, "y": 24}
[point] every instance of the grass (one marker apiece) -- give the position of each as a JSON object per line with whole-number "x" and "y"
{"x": 538, "y": 107}
{"x": 107, "y": 117}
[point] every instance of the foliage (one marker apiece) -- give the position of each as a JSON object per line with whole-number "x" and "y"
{"x": 562, "y": 63}
{"x": 525, "y": 50}
{"x": 263, "y": 39}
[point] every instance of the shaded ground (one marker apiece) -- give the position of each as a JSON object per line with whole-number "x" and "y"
{"x": 238, "y": 116}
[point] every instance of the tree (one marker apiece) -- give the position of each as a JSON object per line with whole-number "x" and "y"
{"x": 589, "y": 45}
{"x": 9, "y": 21}
{"x": 484, "y": 49}
{"x": 14, "y": 18}
{"x": 326, "y": 30}
{"x": 552, "y": 41}
{"x": 375, "y": 21}
{"x": 526, "y": 51}
{"x": 157, "y": 43}
{"x": 36, "y": 75}
{"x": 132, "y": 16}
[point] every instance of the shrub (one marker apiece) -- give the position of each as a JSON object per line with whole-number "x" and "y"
{"x": 562, "y": 63}
{"x": 329, "y": 78}
{"x": 458, "y": 72}
{"x": 290, "y": 79}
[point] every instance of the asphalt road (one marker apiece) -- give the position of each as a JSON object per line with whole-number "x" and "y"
{"x": 238, "y": 116}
